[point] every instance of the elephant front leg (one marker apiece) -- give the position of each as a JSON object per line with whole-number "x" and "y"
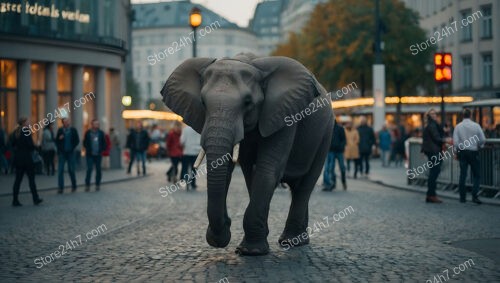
{"x": 271, "y": 160}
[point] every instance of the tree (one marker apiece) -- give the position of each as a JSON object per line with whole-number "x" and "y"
{"x": 337, "y": 45}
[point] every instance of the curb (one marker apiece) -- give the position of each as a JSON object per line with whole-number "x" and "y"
{"x": 80, "y": 185}
{"x": 409, "y": 189}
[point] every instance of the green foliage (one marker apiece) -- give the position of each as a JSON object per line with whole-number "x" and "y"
{"x": 337, "y": 45}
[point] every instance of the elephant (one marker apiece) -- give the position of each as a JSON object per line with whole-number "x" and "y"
{"x": 240, "y": 105}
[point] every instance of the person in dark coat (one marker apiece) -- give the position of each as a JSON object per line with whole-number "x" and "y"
{"x": 138, "y": 142}
{"x": 337, "y": 147}
{"x": 366, "y": 141}
{"x": 66, "y": 141}
{"x": 95, "y": 144}
{"x": 432, "y": 143}
{"x": 23, "y": 146}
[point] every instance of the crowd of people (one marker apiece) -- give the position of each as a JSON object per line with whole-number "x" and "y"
{"x": 435, "y": 140}
{"x": 355, "y": 145}
{"x": 352, "y": 147}
{"x": 19, "y": 153}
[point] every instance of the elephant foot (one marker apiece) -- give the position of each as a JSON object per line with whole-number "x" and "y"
{"x": 289, "y": 240}
{"x": 221, "y": 239}
{"x": 253, "y": 248}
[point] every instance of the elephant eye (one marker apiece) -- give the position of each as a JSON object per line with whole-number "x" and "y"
{"x": 247, "y": 101}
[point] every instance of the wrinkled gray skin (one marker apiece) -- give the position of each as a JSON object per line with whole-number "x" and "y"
{"x": 245, "y": 100}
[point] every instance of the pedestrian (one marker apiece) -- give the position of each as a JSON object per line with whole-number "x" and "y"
{"x": 399, "y": 145}
{"x": 4, "y": 165}
{"x": 190, "y": 141}
{"x": 432, "y": 143}
{"x": 366, "y": 141}
{"x": 384, "y": 144}
{"x": 48, "y": 146}
{"x": 352, "y": 148}
{"x": 95, "y": 145}
{"x": 138, "y": 142}
{"x": 174, "y": 149}
{"x": 115, "y": 158}
{"x": 66, "y": 141}
{"x": 336, "y": 153}
{"x": 106, "y": 152}
{"x": 23, "y": 146}
{"x": 468, "y": 153}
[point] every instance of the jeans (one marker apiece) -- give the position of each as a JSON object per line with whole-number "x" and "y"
{"x": 469, "y": 157}
{"x": 91, "y": 161}
{"x": 140, "y": 155}
{"x": 30, "y": 171}
{"x": 48, "y": 160}
{"x": 339, "y": 156}
{"x": 433, "y": 173}
{"x": 364, "y": 157}
{"x": 330, "y": 162}
{"x": 187, "y": 165}
{"x": 384, "y": 155}
{"x": 173, "y": 171}
{"x": 63, "y": 157}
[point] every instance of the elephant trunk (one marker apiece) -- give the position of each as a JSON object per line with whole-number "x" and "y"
{"x": 218, "y": 141}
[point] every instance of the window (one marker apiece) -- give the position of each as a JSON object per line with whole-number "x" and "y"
{"x": 486, "y": 23}
{"x": 467, "y": 71}
{"x": 487, "y": 69}
{"x": 443, "y": 35}
{"x": 149, "y": 90}
{"x": 162, "y": 70}
{"x": 466, "y": 30}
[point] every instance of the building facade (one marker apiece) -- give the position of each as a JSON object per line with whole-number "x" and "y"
{"x": 295, "y": 15}
{"x": 266, "y": 24}
{"x": 470, "y": 30}
{"x": 163, "y": 39}
{"x": 63, "y": 58}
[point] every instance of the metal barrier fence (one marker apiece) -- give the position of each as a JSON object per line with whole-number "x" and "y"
{"x": 489, "y": 157}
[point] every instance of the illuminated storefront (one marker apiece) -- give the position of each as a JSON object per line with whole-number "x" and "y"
{"x": 412, "y": 108}
{"x": 54, "y": 52}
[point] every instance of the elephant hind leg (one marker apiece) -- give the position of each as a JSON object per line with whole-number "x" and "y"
{"x": 295, "y": 232}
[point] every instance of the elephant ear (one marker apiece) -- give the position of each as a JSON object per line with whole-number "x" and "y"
{"x": 288, "y": 88}
{"x": 181, "y": 92}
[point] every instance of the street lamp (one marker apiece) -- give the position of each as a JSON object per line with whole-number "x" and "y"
{"x": 195, "y": 21}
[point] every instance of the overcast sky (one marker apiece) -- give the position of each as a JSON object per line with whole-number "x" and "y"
{"x": 237, "y": 11}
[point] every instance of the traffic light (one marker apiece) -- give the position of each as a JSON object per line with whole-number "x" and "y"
{"x": 442, "y": 67}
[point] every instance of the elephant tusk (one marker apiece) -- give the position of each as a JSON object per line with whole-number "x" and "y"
{"x": 199, "y": 159}
{"x": 236, "y": 152}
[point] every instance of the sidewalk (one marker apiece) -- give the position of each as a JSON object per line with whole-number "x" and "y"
{"x": 46, "y": 183}
{"x": 396, "y": 177}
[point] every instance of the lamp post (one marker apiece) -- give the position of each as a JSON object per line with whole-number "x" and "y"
{"x": 195, "y": 21}
{"x": 378, "y": 76}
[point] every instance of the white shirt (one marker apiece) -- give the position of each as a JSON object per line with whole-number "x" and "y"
{"x": 190, "y": 141}
{"x": 468, "y": 135}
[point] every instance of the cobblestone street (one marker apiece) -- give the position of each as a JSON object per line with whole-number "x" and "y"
{"x": 392, "y": 235}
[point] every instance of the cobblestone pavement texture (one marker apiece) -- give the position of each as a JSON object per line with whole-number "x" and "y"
{"x": 391, "y": 236}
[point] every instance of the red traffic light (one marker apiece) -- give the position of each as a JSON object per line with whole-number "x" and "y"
{"x": 442, "y": 67}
